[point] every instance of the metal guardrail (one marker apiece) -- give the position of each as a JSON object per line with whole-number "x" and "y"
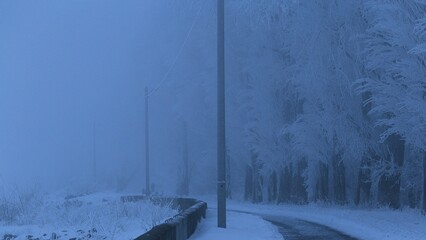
{"x": 179, "y": 227}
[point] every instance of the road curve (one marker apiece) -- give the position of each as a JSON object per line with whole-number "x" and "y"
{"x": 295, "y": 229}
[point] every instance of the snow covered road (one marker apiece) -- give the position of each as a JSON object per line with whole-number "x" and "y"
{"x": 296, "y": 229}
{"x": 362, "y": 224}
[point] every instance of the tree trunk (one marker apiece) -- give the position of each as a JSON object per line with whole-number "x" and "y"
{"x": 285, "y": 185}
{"x": 424, "y": 182}
{"x": 390, "y": 184}
{"x": 272, "y": 188}
{"x": 299, "y": 194}
{"x": 248, "y": 190}
{"x": 257, "y": 181}
{"x": 364, "y": 181}
{"x": 339, "y": 180}
{"x": 322, "y": 184}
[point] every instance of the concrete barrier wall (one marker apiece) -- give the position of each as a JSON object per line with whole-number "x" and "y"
{"x": 179, "y": 227}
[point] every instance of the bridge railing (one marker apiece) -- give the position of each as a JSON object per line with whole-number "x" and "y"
{"x": 179, "y": 227}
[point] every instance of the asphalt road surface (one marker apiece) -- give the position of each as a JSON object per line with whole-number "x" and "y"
{"x": 294, "y": 229}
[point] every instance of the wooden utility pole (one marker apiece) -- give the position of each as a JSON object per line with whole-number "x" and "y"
{"x": 185, "y": 190}
{"x": 94, "y": 153}
{"x": 147, "y": 187}
{"x": 221, "y": 144}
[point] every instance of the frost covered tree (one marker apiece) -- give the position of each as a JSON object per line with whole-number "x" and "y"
{"x": 259, "y": 100}
{"x": 316, "y": 102}
{"x": 329, "y": 133}
{"x": 325, "y": 100}
{"x": 394, "y": 79}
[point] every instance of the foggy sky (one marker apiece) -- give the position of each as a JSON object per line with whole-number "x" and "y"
{"x": 66, "y": 66}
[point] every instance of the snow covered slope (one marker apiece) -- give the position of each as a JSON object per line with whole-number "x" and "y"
{"x": 94, "y": 216}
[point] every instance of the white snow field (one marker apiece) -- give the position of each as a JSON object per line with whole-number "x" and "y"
{"x": 364, "y": 224}
{"x": 94, "y": 216}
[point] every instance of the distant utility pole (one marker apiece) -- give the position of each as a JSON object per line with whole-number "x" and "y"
{"x": 146, "y": 143}
{"x": 221, "y": 144}
{"x": 94, "y": 153}
{"x": 185, "y": 156}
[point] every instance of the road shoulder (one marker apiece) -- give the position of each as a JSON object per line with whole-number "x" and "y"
{"x": 239, "y": 226}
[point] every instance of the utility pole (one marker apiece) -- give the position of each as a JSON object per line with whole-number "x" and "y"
{"x": 147, "y": 190}
{"x": 94, "y": 153}
{"x": 221, "y": 144}
{"x": 185, "y": 160}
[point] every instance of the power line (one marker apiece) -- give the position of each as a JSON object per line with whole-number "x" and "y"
{"x": 175, "y": 60}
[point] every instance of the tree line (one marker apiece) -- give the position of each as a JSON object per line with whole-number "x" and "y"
{"x": 332, "y": 100}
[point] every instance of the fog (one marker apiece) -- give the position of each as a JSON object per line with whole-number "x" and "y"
{"x": 72, "y": 82}
{"x": 324, "y": 118}
{"x": 325, "y": 99}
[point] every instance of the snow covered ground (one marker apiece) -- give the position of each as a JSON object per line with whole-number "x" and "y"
{"x": 94, "y": 216}
{"x": 101, "y": 215}
{"x": 365, "y": 224}
{"x": 239, "y": 226}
